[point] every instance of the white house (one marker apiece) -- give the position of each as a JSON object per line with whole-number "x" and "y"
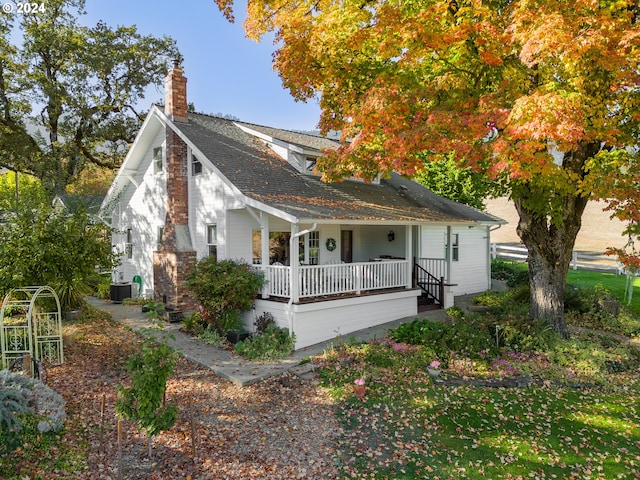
{"x": 338, "y": 257}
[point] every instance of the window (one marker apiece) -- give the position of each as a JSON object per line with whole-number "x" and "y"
{"x": 128, "y": 245}
{"x": 454, "y": 247}
{"x": 196, "y": 166}
{"x": 314, "y": 247}
{"x": 308, "y": 248}
{"x": 212, "y": 241}
{"x": 311, "y": 164}
{"x": 157, "y": 160}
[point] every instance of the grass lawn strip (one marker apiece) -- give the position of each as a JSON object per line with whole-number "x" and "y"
{"x": 467, "y": 432}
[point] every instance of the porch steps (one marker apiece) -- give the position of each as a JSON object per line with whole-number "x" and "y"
{"x": 428, "y": 307}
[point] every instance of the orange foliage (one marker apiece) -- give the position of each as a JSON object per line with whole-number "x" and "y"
{"x": 500, "y": 83}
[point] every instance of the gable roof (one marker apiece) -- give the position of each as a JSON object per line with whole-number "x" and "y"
{"x": 239, "y": 151}
{"x": 260, "y": 174}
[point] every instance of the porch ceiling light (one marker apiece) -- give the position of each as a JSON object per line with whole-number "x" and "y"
{"x": 391, "y": 236}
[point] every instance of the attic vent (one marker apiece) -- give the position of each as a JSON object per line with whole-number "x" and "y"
{"x": 403, "y": 188}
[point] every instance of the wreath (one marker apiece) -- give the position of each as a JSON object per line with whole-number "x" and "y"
{"x": 331, "y": 244}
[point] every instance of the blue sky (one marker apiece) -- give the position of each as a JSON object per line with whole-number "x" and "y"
{"x": 227, "y": 73}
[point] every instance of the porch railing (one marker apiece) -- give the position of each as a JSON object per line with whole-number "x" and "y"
{"x": 437, "y": 267}
{"x": 333, "y": 279}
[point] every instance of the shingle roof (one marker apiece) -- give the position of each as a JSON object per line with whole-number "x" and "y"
{"x": 262, "y": 175}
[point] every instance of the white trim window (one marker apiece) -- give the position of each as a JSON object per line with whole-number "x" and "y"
{"x": 455, "y": 247}
{"x": 314, "y": 247}
{"x": 128, "y": 244}
{"x": 212, "y": 241}
{"x": 196, "y": 165}
{"x": 157, "y": 159}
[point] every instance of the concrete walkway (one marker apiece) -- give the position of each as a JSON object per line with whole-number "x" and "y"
{"x": 235, "y": 368}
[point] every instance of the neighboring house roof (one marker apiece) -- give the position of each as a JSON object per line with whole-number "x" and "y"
{"x": 238, "y": 151}
{"x": 72, "y": 202}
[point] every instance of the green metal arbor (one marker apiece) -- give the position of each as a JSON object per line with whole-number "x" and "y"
{"x": 31, "y": 327}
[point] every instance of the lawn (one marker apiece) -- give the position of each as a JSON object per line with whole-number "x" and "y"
{"x": 410, "y": 426}
{"x": 615, "y": 284}
{"x": 559, "y": 409}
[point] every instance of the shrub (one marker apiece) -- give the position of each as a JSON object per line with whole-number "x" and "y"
{"x": 27, "y": 401}
{"x": 212, "y": 337}
{"x": 275, "y": 342}
{"x": 44, "y": 245}
{"x": 470, "y": 338}
{"x": 194, "y": 324}
{"x": 515, "y": 274}
{"x": 519, "y": 333}
{"x": 263, "y": 322}
{"x": 144, "y": 400}
{"x": 512, "y": 301}
{"x": 224, "y": 289}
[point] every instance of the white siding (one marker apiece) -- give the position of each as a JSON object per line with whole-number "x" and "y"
{"x": 209, "y": 200}
{"x": 318, "y": 322}
{"x": 142, "y": 210}
{"x": 372, "y": 242}
{"x": 470, "y": 272}
{"x": 327, "y": 232}
{"x": 433, "y": 241}
{"x": 238, "y": 235}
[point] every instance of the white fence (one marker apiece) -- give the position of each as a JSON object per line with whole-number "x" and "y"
{"x": 319, "y": 280}
{"x": 579, "y": 260}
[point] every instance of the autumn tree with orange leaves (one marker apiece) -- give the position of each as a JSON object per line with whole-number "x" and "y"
{"x": 543, "y": 95}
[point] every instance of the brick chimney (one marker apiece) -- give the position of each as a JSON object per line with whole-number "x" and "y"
{"x": 175, "y": 94}
{"x": 175, "y": 255}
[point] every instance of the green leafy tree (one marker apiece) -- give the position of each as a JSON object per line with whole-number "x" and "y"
{"x": 448, "y": 179}
{"x": 144, "y": 400}
{"x": 544, "y": 93}
{"x": 43, "y": 244}
{"x": 14, "y": 185}
{"x": 68, "y": 92}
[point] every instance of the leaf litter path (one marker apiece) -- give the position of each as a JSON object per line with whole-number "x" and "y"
{"x": 281, "y": 428}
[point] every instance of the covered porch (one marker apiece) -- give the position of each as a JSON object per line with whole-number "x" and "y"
{"x": 305, "y": 262}
{"x": 298, "y": 282}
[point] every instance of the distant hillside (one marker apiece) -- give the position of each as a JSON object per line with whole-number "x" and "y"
{"x": 597, "y": 233}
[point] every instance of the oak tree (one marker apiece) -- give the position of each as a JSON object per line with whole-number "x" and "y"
{"x": 543, "y": 95}
{"x": 68, "y": 92}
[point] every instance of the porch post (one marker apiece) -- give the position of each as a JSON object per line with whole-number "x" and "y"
{"x": 264, "y": 248}
{"x": 408, "y": 253}
{"x": 449, "y": 254}
{"x": 293, "y": 264}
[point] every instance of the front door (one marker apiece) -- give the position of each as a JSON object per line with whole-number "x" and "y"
{"x": 346, "y": 246}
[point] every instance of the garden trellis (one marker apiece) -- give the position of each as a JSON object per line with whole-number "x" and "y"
{"x": 31, "y": 325}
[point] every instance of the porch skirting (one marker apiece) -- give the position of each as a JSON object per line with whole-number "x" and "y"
{"x": 321, "y": 321}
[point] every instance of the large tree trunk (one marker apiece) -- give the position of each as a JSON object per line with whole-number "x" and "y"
{"x": 549, "y": 235}
{"x": 550, "y": 250}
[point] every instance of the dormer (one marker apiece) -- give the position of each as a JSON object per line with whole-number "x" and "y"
{"x": 300, "y": 150}
{"x": 301, "y": 157}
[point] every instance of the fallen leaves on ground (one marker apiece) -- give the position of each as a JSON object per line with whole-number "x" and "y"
{"x": 282, "y": 428}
